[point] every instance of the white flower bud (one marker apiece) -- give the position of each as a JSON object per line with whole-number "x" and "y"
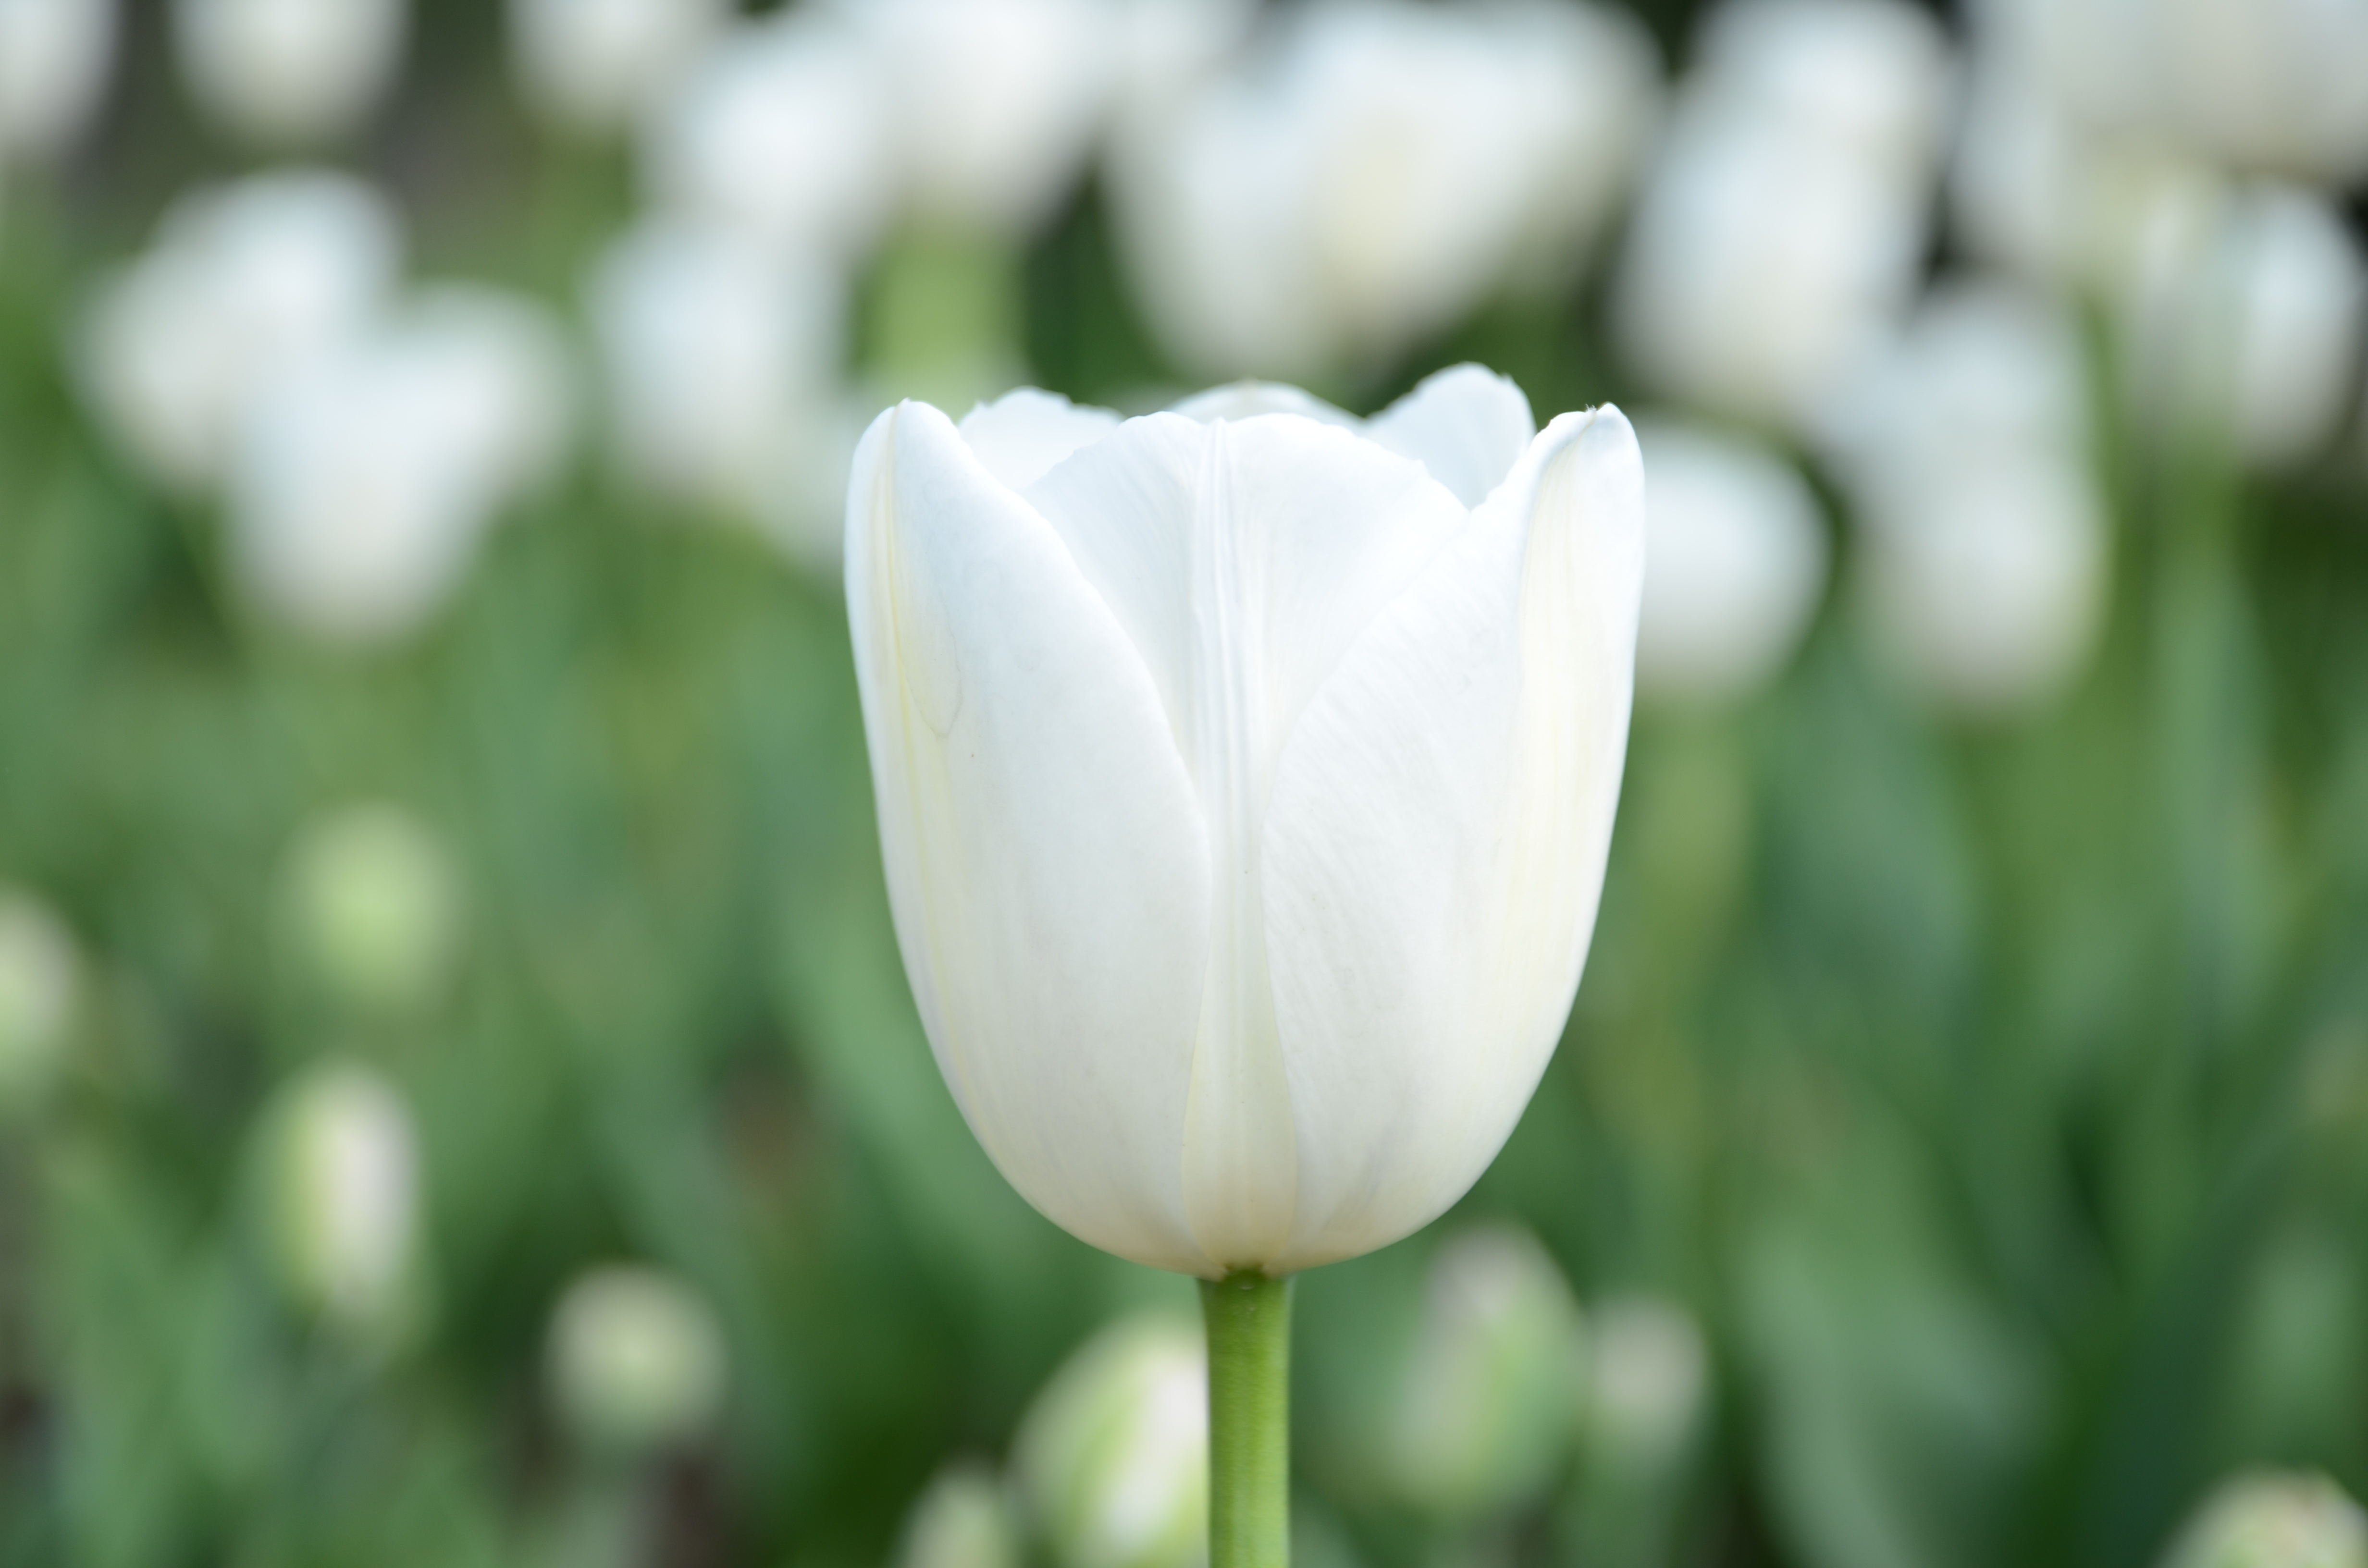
{"x": 1113, "y": 1457}
{"x": 1648, "y": 1380}
{"x": 1734, "y": 563}
{"x": 53, "y": 63}
{"x": 374, "y": 900}
{"x": 2272, "y": 85}
{"x": 636, "y": 1359}
{"x": 289, "y": 71}
{"x": 246, "y": 284}
{"x": 2274, "y": 1520}
{"x": 1484, "y": 1417}
{"x": 599, "y": 65}
{"x": 963, "y": 1520}
{"x": 41, "y": 974}
{"x": 343, "y": 1186}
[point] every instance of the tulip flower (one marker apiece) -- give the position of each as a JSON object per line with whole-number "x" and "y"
{"x": 289, "y": 71}
{"x": 596, "y": 65}
{"x": 636, "y": 1359}
{"x": 1111, "y": 1459}
{"x": 2274, "y": 1520}
{"x": 1244, "y": 777}
{"x": 342, "y": 1159}
{"x": 373, "y": 905}
{"x": 40, "y": 980}
{"x": 54, "y": 61}
{"x": 962, "y": 1520}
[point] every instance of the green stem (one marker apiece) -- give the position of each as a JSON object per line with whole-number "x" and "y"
{"x": 1250, "y": 1420}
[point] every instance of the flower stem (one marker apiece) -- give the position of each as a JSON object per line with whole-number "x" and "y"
{"x": 1249, "y": 1419}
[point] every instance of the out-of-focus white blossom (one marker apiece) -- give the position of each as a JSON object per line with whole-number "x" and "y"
{"x": 1372, "y": 174}
{"x": 962, "y": 1520}
{"x": 598, "y": 65}
{"x": 782, "y": 131}
{"x": 244, "y": 284}
{"x": 1734, "y": 562}
{"x": 1169, "y": 46}
{"x": 1966, "y": 452}
{"x": 363, "y": 482}
{"x": 724, "y": 373}
{"x": 636, "y": 1359}
{"x": 374, "y": 902}
{"x": 1648, "y": 1381}
{"x": 343, "y": 1185}
{"x": 995, "y": 103}
{"x": 1483, "y": 1420}
{"x": 40, "y": 977}
{"x": 289, "y": 71}
{"x": 2274, "y": 1520}
{"x": 1113, "y": 1458}
{"x": 54, "y": 64}
{"x": 1782, "y": 233}
{"x": 2273, "y": 86}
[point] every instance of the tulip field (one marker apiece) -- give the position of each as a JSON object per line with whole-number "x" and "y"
{"x": 648, "y": 916}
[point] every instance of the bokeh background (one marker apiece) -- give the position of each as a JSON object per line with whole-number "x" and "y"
{"x": 460, "y": 1101}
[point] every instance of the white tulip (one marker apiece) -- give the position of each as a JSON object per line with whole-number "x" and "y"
{"x": 995, "y": 103}
{"x": 1781, "y": 236}
{"x": 2272, "y": 86}
{"x": 1244, "y": 787}
{"x": 1967, "y": 453}
{"x": 1374, "y": 176}
{"x": 53, "y": 63}
{"x": 783, "y": 132}
{"x": 2274, "y": 1520}
{"x": 246, "y": 283}
{"x": 362, "y": 484}
{"x": 41, "y": 980}
{"x": 374, "y": 902}
{"x": 598, "y": 65}
{"x": 1113, "y": 1457}
{"x": 1648, "y": 1379}
{"x": 962, "y": 1520}
{"x": 289, "y": 71}
{"x": 1734, "y": 562}
{"x": 636, "y": 1359}
{"x": 343, "y": 1167}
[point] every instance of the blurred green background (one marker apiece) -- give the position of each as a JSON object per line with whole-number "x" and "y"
{"x": 1993, "y": 1094}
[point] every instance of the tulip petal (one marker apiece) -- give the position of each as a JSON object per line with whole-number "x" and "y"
{"x": 1247, "y": 400}
{"x": 1244, "y": 558}
{"x": 1434, "y": 850}
{"x": 1024, "y": 433}
{"x": 1045, "y": 859}
{"x": 1467, "y": 424}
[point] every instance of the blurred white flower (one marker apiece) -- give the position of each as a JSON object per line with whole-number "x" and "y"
{"x": 1734, "y": 562}
{"x": 1966, "y": 454}
{"x": 1113, "y": 1458}
{"x": 1648, "y": 1381}
{"x": 724, "y": 373}
{"x": 40, "y": 977}
{"x": 782, "y": 131}
{"x": 343, "y": 1172}
{"x": 244, "y": 284}
{"x": 373, "y": 900}
{"x": 1167, "y": 46}
{"x": 363, "y": 482}
{"x": 962, "y": 1520}
{"x": 599, "y": 65}
{"x": 1373, "y": 174}
{"x": 2274, "y": 1520}
{"x": 54, "y": 64}
{"x": 1484, "y": 1418}
{"x": 289, "y": 71}
{"x": 995, "y": 103}
{"x": 1781, "y": 236}
{"x": 2273, "y": 86}
{"x": 636, "y": 1359}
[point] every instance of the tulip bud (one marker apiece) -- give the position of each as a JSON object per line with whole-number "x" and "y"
{"x": 2274, "y": 1520}
{"x": 963, "y": 1520}
{"x": 246, "y": 284}
{"x": 54, "y": 64}
{"x": 1483, "y": 1420}
{"x": 1113, "y": 1457}
{"x": 375, "y": 902}
{"x": 1734, "y": 562}
{"x": 39, "y": 977}
{"x": 781, "y": 132}
{"x": 636, "y": 1359}
{"x": 343, "y": 1163}
{"x": 289, "y": 72}
{"x": 1648, "y": 1377}
{"x": 1246, "y": 894}
{"x": 598, "y": 65}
